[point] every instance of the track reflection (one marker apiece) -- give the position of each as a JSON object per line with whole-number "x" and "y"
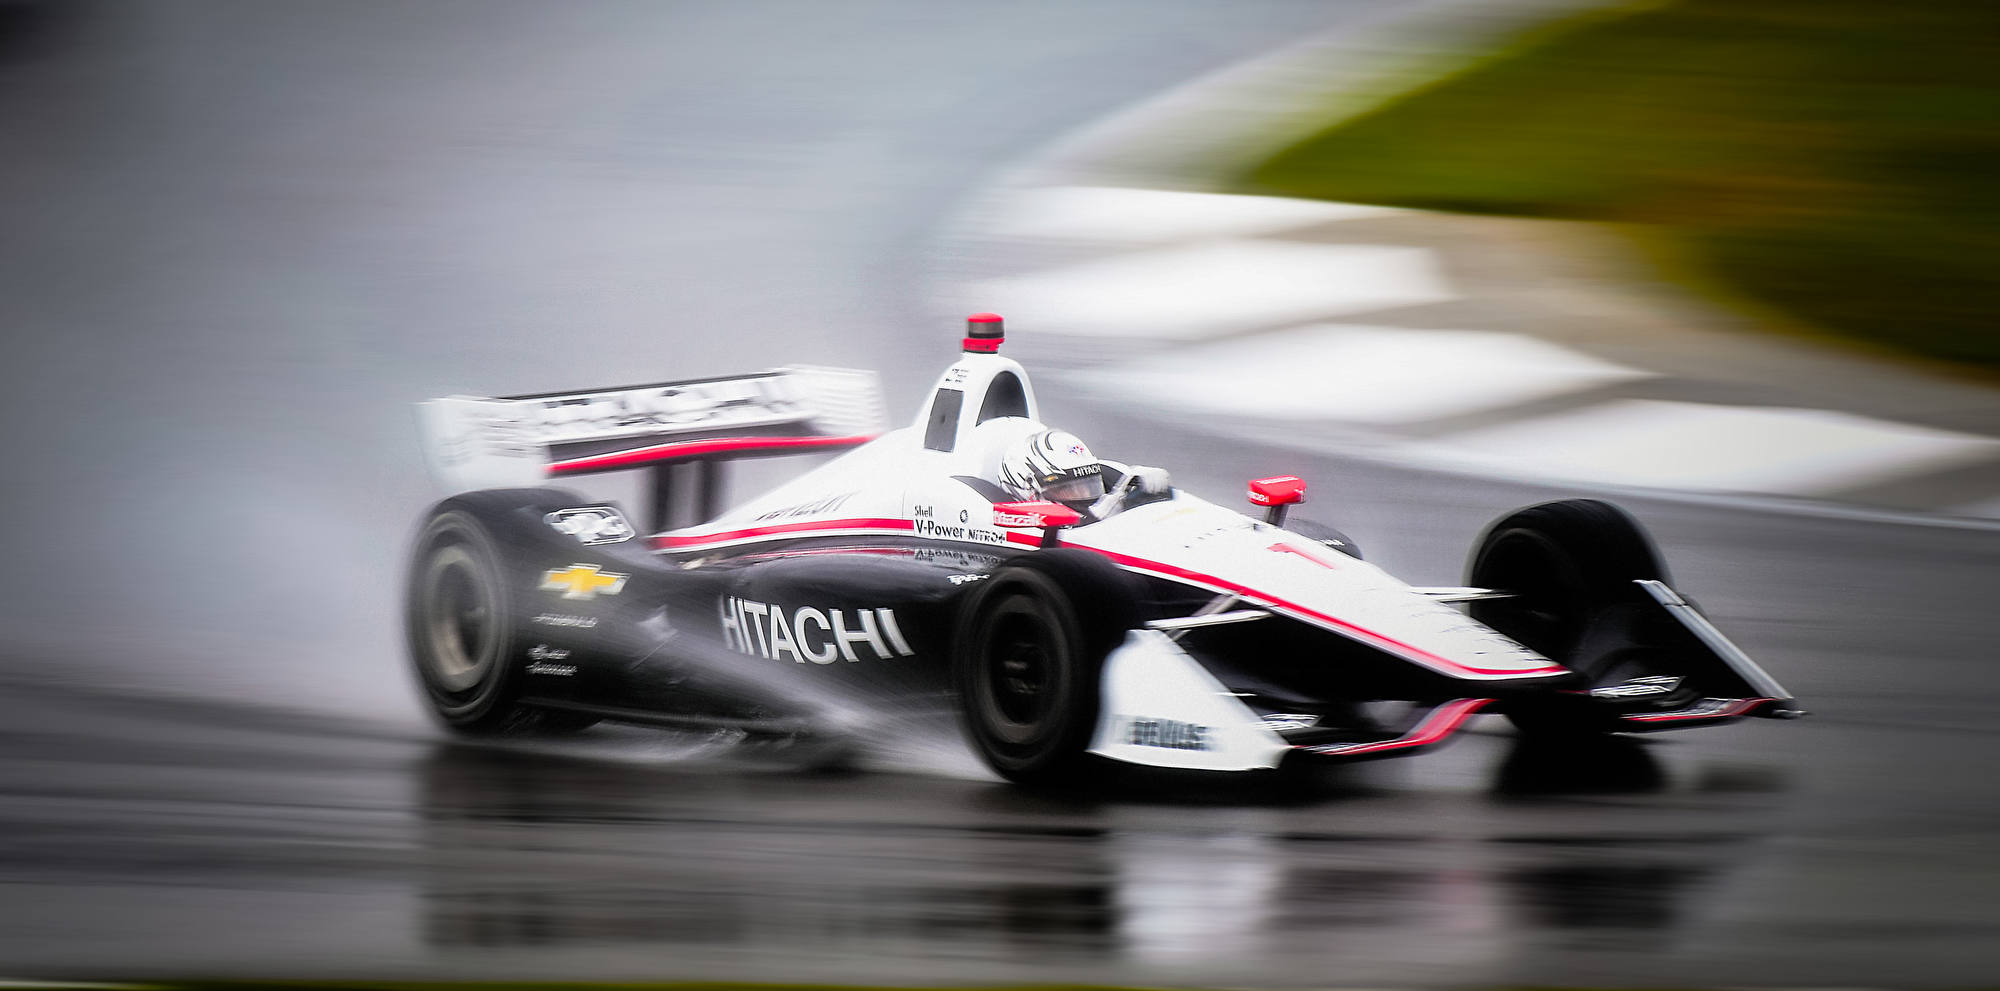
{"x": 525, "y": 849}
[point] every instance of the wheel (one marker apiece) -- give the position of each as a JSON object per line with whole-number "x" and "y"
{"x": 1028, "y": 653}
{"x": 460, "y": 618}
{"x": 1570, "y": 566}
{"x": 1563, "y": 561}
{"x": 458, "y": 621}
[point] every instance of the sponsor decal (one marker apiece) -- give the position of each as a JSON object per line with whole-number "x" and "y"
{"x": 583, "y": 581}
{"x": 544, "y": 652}
{"x": 1085, "y": 470}
{"x": 964, "y": 561}
{"x": 590, "y": 416}
{"x": 807, "y": 633}
{"x": 1036, "y": 515}
{"x": 955, "y": 375}
{"x": 560, "y": 619}
{"x": 1277, "y": 491}
{"x": 591, "y": 524}
{"x": 526, "y": 428}
{"x": 965, "y": 516}
{"x": 967, "y": 579}
{"x": 921, "y": 512}
{"x": 1279, "y": 721}
{"x": 977, "y": 535}
{"x": 1167, "y": 734}
{"x": 813, "y": 508}
{"x": 1639, "y": 688}
{"x": 557, "y": 670}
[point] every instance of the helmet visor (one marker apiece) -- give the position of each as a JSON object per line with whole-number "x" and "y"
{"x": 1083, "y": 488}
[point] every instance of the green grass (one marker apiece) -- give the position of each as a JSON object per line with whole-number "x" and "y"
{"x": 1838, "y": 160}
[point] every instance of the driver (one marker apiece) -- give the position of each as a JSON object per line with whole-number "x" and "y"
{"x": 1056, "y": 466}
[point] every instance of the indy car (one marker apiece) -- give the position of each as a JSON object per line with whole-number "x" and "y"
{"x": 1147, "y": 626}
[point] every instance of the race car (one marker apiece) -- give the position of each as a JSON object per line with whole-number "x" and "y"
{"x": 1070, "y": 613}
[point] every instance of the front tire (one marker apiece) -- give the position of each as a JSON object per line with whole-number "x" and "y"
{"x": 1028, "y": 657}
{"x": 1570, "y": 566}
{"x": 1564, "y": 561}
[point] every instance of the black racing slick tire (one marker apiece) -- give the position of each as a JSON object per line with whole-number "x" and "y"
{"x": 1562, "y": 561}
{"x": 1028, "y": 656}
{"x": 1570, "y": 568}
{"x": 458, "y": 617}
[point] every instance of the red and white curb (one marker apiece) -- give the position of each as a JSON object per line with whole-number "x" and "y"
{"x": 1270, "y": 317}
{"x": 1257, "y": 308}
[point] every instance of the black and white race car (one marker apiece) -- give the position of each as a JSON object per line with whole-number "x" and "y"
{"x": 1147, "y": 626}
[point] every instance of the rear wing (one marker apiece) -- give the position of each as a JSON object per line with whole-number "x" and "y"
{"x": 477, "y": 443}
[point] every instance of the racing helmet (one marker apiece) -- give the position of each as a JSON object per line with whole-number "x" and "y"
{"x": 1052, "y": 465}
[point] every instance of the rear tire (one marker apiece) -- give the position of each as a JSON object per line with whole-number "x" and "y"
{"x": 1028, "y": 658}
{"x": 459, "y": 622}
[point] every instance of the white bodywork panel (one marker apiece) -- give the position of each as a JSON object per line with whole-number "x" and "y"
{"x": 1197, "y": 542}
{"x": 1161, "y": 708}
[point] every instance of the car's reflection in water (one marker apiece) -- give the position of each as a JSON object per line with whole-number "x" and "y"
{"x": 524, "y": 849}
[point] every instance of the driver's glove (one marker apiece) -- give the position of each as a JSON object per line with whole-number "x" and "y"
{"x": 1149, "y": 481}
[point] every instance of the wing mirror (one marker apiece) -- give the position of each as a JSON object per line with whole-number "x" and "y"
{"x": 1048, "y": 517}
{"x": 1276, "y": 493}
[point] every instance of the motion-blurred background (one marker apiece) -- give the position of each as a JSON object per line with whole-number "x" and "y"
{"x": 1724, "y": 262}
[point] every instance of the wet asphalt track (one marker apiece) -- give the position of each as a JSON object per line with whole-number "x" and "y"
{"x": 239, "y": 240}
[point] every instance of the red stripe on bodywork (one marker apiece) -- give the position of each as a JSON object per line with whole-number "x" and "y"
{"x": 1363, "y": 634}
{"x": 809, "y": 528}
{"x": 1284, "y": 548}
{"x": 1436, "y": 725}
{"x": 701, "y": 448}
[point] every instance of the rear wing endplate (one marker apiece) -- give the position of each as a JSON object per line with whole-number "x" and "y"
{"x": 479, "y": 443}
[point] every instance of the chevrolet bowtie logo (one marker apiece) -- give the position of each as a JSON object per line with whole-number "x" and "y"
{"x": 582, "y": 581}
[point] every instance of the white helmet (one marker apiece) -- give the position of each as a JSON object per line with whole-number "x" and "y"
{"x": 1052, "y": 465}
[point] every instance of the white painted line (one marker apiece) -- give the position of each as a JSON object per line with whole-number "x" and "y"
{"x": 1213, "y": 288}
{"x": 1361, "y": 374}
{"x": 1720, "y": 448}
{"x": 1117, "y": 215}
